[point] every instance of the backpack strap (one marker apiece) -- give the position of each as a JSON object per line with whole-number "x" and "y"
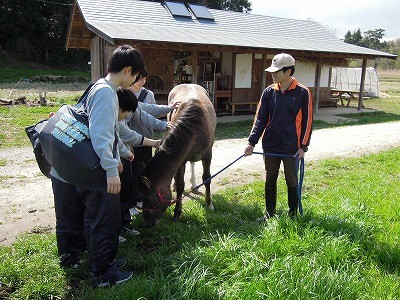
{"x": 143, "y": 94}
{"x": 83, "y": 98}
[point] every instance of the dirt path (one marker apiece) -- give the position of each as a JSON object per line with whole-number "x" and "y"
{"x": 26, "y": 201}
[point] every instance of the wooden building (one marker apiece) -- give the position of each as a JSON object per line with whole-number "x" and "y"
{"x": 224, "y": 51}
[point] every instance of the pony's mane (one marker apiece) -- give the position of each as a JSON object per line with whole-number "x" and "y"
{"x": 179, "y": 137}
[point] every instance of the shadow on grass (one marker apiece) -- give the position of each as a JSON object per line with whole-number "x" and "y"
{"x": 159, "y": 252}
{"x": 385, "y": 255}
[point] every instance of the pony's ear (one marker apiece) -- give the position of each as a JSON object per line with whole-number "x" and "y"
{"x": 146, "y": 182}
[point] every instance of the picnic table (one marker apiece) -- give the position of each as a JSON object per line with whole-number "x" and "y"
{"x": 344, "y": 95}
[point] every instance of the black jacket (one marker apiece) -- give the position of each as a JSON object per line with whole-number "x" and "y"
{"x": 284, "y": 119}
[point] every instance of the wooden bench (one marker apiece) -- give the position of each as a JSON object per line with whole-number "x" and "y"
{"x": 233, "y": 105}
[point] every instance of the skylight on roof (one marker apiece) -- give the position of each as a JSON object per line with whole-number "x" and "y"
{"x": 201, "y": 12}
{"x": 177, "y": 9}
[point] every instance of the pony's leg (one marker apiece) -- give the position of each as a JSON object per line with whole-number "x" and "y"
{"x": 206, "y": 161}
{"x": 180, "y": 186}
{"x": 193, "y": 177}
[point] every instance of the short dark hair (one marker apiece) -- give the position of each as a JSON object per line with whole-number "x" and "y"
{"x": 284, "y": 69}
{"x": 144, "y": 74}
{"x": 126, "y": 56}
{"x": 127, "y": 100}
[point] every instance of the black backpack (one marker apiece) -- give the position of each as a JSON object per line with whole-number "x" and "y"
{"x": 33, "y": 134}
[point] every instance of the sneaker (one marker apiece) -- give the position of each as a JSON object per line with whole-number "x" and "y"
{"x": 77, "y": 264}
{"x": 120, "y": 262}
{"x": 133, "y": 211}
{"x": 71, "y": 260}
{"x": 121, "y": 239}
{"x": 265, "y": 218}
{"x": 139, "y": 205}
{"x": 120, "y": 277}
{"x": 292, "y": 214}
{"x": 130, "y": 230}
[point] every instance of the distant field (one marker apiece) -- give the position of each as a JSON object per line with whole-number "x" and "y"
{"x": 389, "y": 82}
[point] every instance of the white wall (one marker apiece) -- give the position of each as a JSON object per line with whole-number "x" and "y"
{"x": 305, "y": 74}
{"x": 243, "y": 69}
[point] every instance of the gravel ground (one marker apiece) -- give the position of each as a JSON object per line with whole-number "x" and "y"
{"x": 26, "y": 201}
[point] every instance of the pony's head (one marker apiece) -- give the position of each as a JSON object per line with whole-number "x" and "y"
{"x": 156, "y": 200}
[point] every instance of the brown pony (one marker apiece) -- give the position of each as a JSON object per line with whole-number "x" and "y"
{"x": 190, "y": 138}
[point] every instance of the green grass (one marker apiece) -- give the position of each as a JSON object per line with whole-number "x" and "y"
{"x": 344, "y": 247}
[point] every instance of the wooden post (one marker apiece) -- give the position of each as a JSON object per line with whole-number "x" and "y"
{"x": 264, "y": 66}
{"x": 317, "y": 85}
{"x": 194, "y": 66}
{"x": 361, "y": 94}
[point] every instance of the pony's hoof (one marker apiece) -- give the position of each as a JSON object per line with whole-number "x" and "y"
{"x": 211, "y": 207}
{"x": 195, "y": 191}
{"x": 176, "y": 217}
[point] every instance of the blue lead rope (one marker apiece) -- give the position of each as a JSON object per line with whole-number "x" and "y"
{"x": 299, "y": 180}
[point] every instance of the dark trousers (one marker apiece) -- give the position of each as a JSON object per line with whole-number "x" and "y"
{"x": 142, "y": 155}
{"x": 126, "y": 194}
{"x": 102, "y": 228}
{"x": 70, "y": 210}
{"x": 272, "y": 165}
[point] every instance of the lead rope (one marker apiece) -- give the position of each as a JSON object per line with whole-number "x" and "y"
{"x": 299, "y": 179}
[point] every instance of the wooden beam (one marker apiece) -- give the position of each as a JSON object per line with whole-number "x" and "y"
{"x": 361, "y": 94}
{"x": 194, "y": 66}
{"x": 317, "y": 84}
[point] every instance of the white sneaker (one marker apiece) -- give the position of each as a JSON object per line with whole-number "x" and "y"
{"x": 129, "y": 230}
{"x": 121, "y": 239}
{"x": 133, "y": 211}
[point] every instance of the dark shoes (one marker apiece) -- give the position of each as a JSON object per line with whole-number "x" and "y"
{"x": 119, "y": 262}
{"x": 292, "y": 214}
{"x": 70, "y": 260}
{"x": 120, "y": 277}
{"x": 265, "y": 218}
{"x": 130, "y": 230}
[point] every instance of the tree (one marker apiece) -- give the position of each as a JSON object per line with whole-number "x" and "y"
{"x": 392, "y": 47}
{"x": 354, "y": 38}
{"x": 35, "y": 31}
{"x": 372, "y": 39}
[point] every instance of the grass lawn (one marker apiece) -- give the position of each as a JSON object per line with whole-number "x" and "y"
{"x": 344, "y": 247}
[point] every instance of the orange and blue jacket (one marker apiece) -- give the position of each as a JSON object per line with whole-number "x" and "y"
{"x": 283, "y": 118}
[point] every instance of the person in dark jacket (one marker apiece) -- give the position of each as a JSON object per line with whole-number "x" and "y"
{"x": 284, "y": 119}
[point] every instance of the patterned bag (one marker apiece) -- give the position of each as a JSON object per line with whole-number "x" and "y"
{"x": 63, "y": 142}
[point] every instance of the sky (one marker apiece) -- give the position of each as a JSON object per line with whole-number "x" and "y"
{"x": 338, "y": 16}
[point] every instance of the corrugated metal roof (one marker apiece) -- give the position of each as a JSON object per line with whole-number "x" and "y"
{"x": 150, "y": 21}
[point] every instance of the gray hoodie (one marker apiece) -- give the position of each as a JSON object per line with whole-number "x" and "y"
{"x": 144, "y": 119}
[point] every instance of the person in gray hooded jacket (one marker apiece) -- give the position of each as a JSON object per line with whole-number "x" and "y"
{"x": 143, "y": 121}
